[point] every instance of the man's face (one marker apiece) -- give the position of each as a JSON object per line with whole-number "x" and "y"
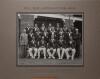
{"x": 24, "y": 31}
{"x": 50, "y": 25}
{"x": 35, "y": 25}
{"x": 65, "y": 27}
{"x": 77, "y": 31}
{"x": 53, "y": 29}
{"x": 71, "y": 42}
{"x": 43, "y": 27}
{"x": 61, "y": 40}
{"x": 61, "y": 30}
{"x": 57, "y": 25}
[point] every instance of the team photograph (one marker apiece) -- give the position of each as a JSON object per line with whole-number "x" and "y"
{"x": 49, "y": 39}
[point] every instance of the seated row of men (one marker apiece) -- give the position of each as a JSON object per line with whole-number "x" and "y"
{"x": 51, "y": 49}
{"x": 50, "y": 41}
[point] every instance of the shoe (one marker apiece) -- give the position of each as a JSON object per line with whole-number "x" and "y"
{"x": 53, "y": 57}
{"x": 49, "y": 57}
{"x": 38, "y": 57}
{"x": 44, "y": 57}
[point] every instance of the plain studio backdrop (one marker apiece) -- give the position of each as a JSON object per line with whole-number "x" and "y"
{"x": 91, "y": 67}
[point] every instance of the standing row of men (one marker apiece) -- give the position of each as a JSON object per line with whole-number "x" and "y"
{"x": 51, "y": 41}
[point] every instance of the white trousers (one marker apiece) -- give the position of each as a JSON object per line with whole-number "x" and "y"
{"x": 51, "y": 54}
{"x": 59, "y": 52}
{"x": 66, "y": 51}
{"x": 42, "y": 49}
{"x": 30, "y": 53}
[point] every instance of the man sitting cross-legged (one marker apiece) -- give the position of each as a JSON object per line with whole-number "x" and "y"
{"x": 71, "y": 50}
{"x": 42, "y": 48}
{"x": 51, "y": 49}
{"x": 32, "y": 49}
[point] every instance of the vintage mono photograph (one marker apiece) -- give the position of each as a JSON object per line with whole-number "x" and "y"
{"x": 52, "y": 39}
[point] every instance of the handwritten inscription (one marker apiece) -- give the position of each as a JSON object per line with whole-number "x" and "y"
{"x": 49, "y": 8}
